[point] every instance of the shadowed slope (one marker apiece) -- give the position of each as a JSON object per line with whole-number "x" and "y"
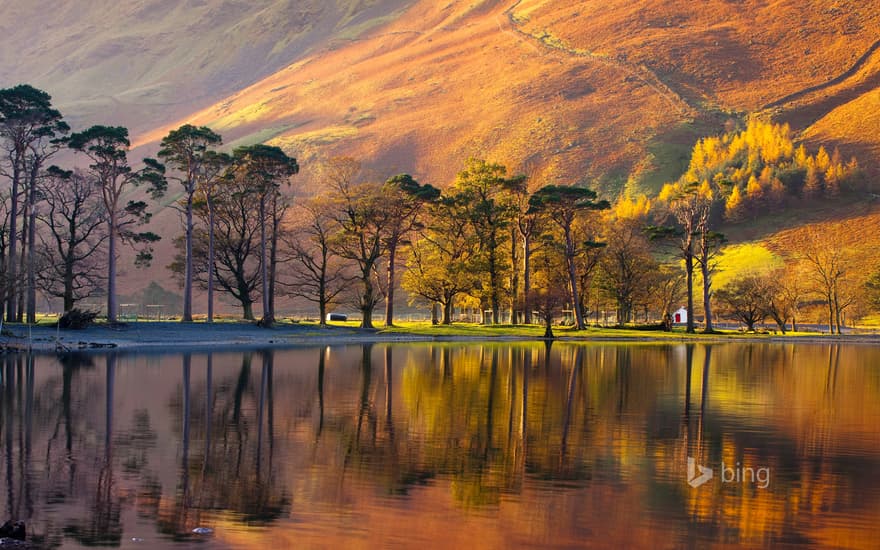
{"x": 139, "y": 63}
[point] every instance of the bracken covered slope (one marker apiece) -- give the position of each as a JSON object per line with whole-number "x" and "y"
{"x": 568, "y": 91}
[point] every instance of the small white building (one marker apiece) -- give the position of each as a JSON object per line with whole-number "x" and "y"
{"x": 680, "y": 316}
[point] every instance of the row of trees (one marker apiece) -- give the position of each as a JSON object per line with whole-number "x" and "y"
{"x": 62, "y": 229}
{"x": 490, "y": 241}
{"x": 475, "y": 243}
{"x": 485, "y": 243}
{"x": 61, "y": 225}
{"x": 821, "y": 273}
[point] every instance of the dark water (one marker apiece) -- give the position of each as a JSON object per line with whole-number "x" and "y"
{"x": 442, "y": 445}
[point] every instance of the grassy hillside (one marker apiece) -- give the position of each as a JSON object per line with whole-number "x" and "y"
{"x": 146, "y": 62}
{"x": 448, "y": 81}
{"x": 616, "y": 91}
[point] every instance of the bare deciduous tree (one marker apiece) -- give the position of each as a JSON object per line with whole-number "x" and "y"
{"x": 316, "y": 273}
{"x": 71, "y": 252}
{"x": 828, "y": 266}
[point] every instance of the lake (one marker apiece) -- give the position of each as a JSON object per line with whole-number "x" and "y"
{"x": 447, "y": 445}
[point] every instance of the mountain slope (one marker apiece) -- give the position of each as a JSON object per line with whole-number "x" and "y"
{"x": 611, "y": 93}
{"x": 443, "y": 83}
{"x": 146, "y": 62}
{"x": 616, "y": 91}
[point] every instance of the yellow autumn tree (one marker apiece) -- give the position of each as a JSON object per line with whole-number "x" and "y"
{"x": 812, "y": 180}
{"x": 734, "y": 204}
{"x": 823, "y": 161}
{"x": 627, "y": 208}
{"x": 754, "y": 191}
{"x": 763, "y": 165}
{"x": 801, "y": 156}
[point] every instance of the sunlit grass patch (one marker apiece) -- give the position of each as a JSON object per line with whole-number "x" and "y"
{"x": 422, "y": 328}
{"x": 476, "y": 330}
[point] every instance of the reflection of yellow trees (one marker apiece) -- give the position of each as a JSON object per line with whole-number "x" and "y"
{"x": 563, "y": 443}
{"x": 577, "y": 414}
{"x": 586, "y": 410}
{"x": 806, "y": 391}
{"x": 746, "y": 386}
{"x": 458, "y": 408}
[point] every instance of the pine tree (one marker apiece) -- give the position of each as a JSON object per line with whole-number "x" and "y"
{"x": 801, "y": 156}
{"x": 776, "y": 192}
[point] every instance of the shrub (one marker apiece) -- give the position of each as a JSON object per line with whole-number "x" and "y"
{"x": 77, "y": 319}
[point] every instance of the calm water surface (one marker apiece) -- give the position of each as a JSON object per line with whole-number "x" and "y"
{"x": 445, "y": 445}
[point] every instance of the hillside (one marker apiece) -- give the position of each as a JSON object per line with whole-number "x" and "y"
{"x": 611, "y": 93}
{"x": 615, "y": 91}
{"x": 147, "y": 62}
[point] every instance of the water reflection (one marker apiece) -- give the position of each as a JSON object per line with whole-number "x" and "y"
{"x": 514, "y": 444}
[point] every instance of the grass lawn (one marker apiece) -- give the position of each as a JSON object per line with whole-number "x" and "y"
{"x": 474, "y": 331}
{"x": 536, "y": 331}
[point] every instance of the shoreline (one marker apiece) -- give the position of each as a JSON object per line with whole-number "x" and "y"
{"x": 159, "y": 336}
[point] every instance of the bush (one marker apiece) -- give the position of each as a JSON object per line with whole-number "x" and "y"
{"x": 77, "y": 319}
{"x": 658, "y": 326}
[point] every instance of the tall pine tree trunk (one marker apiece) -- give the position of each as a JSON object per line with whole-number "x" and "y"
{"x": 188, "y": 268}
{"x": 13, "y": 242}
{"x": 31, "y": 256}
{"x": 389, "y": 296}
{"x": 514, "y": 275}
{"x": 689, "y": 271}
{"x": 494, "y": 301}
{"x": 111, "y": 270}
{"x": 210, "y": 260}
{"x": 22, "y": 262}
{"x": 527, "y": 279}
{"x": 707, "y": 285}
{"x": 273, "y": 256}
{"x": 264, "y": 267}
{"x": 572, "y": 281}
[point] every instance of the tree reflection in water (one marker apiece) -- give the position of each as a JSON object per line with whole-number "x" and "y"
{"x": 102, "y": 526}
{"x": 494, "y": 427}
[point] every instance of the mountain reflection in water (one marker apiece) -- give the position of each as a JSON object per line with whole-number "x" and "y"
{"x": 494, "y": 445}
